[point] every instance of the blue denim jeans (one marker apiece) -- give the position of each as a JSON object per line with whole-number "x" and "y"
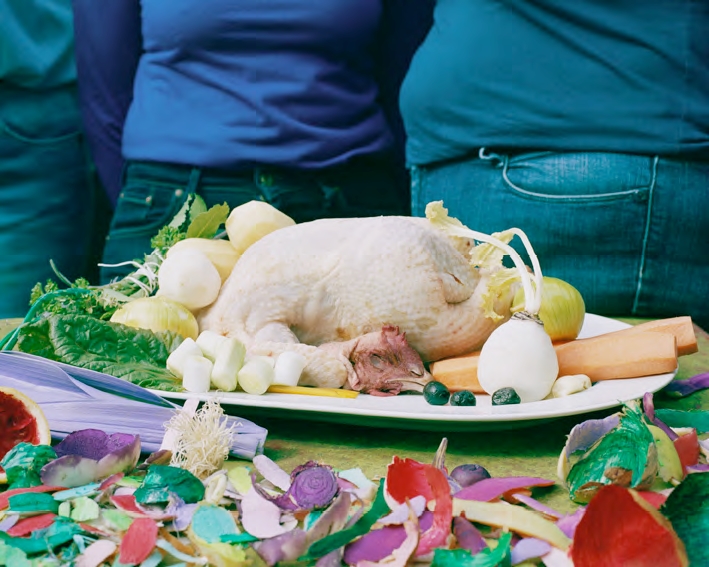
{"x": 46, "y": 192}
{"x": 630, "y": 232}
{"x": 153, "y": 193}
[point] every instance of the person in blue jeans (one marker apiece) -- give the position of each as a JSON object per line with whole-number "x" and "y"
{"x": 289, "y": 101}
{"x": 585, "y": 124}
{"x": 46, "y": 197}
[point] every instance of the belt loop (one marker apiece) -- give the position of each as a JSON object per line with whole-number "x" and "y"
{"x": 193, "y": 181}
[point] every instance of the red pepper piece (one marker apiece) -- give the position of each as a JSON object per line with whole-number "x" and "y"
{"x": 26, "y": 526}
{"x": 406, "y": 478}
{"x": 439, "y": 531}
{"x": 111, "y": 480}
{"x": 139, "y": 541}
{"x": 5, "y": 496}
{"x": 127, "y": 503}
{"x": 687, "y": 447}
{"x": 655, "y": 499}
{"x": 619, "y": 528}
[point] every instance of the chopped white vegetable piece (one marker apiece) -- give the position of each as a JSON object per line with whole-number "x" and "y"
{"x": 197, "y": 375}
{"x": 190, "y": 278}
{"x": 570, "y": 384}
{"x": 256, "y": 376}
{"x": 227, "y": 363}
{"x": 177, "y": 358}
{"x": 289, "y": 366}
{"x": 209, "y": 342}
{"x": 268, "y": 359}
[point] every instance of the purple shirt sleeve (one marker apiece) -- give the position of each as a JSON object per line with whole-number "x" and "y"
{"x": 108, "y": 47}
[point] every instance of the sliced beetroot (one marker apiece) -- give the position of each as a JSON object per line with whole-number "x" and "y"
{"x": 312, "y": 487}
{"x": 681, "y": 388}
{"x": 649, "y": 409}
{"x": 285, "y": 547}
{"x": 535, "y": 505}
{"x": 380, "y": 543}
{"x": 90, "y": 455}
{"x": 92, "y": 443}
{"x": 493, "y": 488}
{"x": 529, "y": 548}
{"x": 568, "y": 523}
{"x": 468, "y": 536}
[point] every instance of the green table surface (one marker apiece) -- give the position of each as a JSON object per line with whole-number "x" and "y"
{"x": 532, "y": 451}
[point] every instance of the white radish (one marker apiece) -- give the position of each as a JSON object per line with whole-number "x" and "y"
{"x": 289, "y": 366}
{"x": 176, "y": 360}
{"x": 256, "y": 376}
{"x": 518, "y": 354}
{"x": 189, "y": 277}
{"x": 518, "y": 357}
{"x": 197, "y": 374}
{"x": 209, "y": 342}
{"x": 227, "y": 363}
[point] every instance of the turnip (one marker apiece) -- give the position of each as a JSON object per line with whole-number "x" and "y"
{"x": 518, "y": 354}
{"x": 189, "y": 278}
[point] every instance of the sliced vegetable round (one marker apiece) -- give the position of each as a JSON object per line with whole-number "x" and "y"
{"x": 436, "y": 393}
{"x": 505, "y": 396}
{"x": 463, "y": 398}
{"x": 21, "y": 421}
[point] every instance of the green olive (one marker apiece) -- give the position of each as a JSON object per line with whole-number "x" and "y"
{"x": 505, "y": 396}
{"x": 463, "y": 398}
{"x": 436, "y": 393}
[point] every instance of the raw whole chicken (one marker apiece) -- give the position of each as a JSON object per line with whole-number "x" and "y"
{"x": 361, "y": 298}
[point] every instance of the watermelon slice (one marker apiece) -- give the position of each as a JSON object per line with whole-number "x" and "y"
{"x": 21, "y": 421}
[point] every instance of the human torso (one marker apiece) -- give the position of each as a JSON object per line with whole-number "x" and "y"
{"x": 232, "y": 84}
{"x": 588, "y": 75}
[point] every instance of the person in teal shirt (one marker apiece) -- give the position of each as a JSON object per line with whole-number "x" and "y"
{"x": 46, "y": 197}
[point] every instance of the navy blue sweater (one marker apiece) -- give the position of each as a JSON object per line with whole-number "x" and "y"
{"x": 292, "y": 83}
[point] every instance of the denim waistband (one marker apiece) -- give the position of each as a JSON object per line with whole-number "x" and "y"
{"x": 186, "y": 174}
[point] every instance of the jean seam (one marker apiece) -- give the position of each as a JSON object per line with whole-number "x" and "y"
{"x": 505, "y": 168}
{"x": 646, "y": 235}
{"x": 416, "y": 189}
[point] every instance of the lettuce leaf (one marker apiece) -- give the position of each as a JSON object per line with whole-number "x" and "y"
{"x": 136, "y": 355}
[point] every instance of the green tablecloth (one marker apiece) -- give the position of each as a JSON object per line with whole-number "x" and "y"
{"x": 532, "y": 451}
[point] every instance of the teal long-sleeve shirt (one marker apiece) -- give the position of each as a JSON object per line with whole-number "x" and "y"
{"x": 36, "y": 43}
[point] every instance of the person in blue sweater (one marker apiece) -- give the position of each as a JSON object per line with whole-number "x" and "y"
{"x": 46, "y": 193}
{"x": 585, "y": 124}
{"x": 288, "y": 101}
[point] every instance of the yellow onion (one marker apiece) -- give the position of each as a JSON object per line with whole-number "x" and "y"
{"x": 158, "y": 314}
{"x": 562, "y": 310}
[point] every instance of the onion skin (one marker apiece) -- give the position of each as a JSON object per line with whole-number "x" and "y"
{"x": 562, "y": 311}
{"x": 158, "y": 314}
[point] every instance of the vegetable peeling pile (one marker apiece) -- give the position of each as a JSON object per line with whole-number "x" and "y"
{"x": 339, "y": 307}
{"x": 90, "y": 501}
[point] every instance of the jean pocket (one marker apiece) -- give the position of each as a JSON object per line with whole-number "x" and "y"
{"x": 144, "y": 208}
{"x": 578, "y": 177}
